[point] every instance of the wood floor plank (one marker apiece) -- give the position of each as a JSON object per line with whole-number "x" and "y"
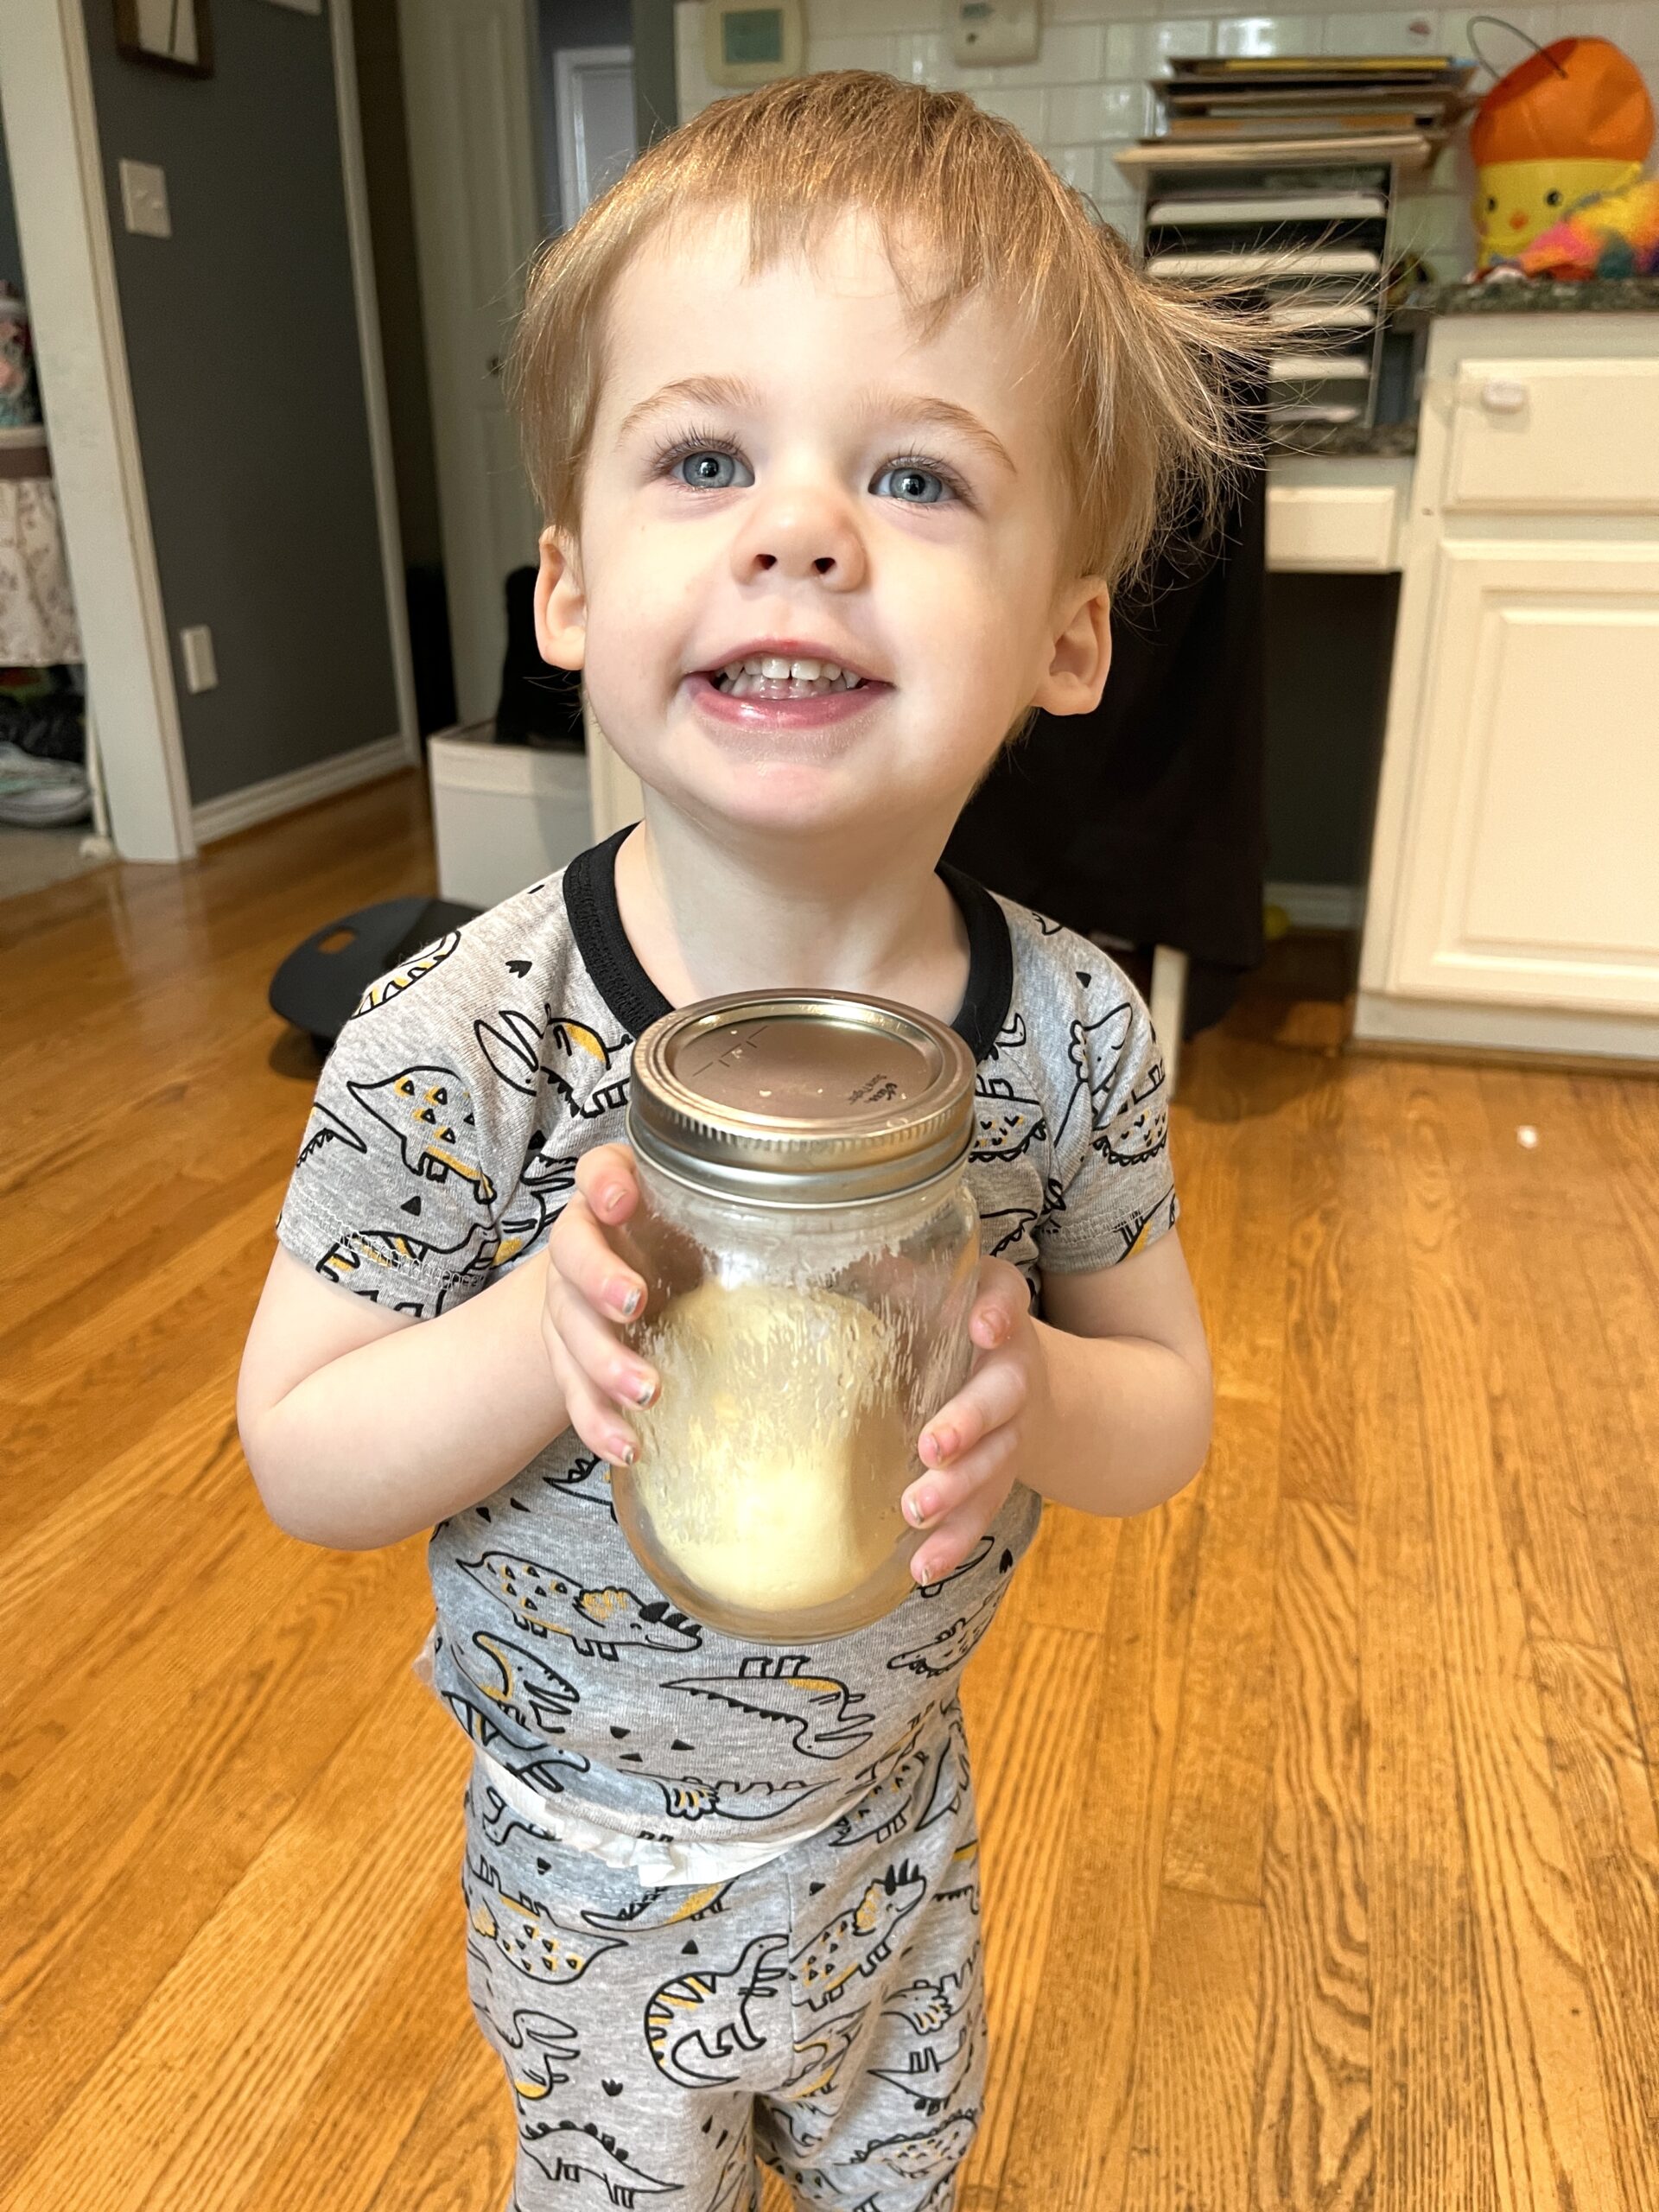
{"x": 1317, "y": 1812}
{"x": 1070, "y": 2150}
{"x": 1313, "y": 2059}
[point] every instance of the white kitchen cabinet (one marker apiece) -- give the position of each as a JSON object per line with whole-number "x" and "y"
{"x": 1514, "y": 900}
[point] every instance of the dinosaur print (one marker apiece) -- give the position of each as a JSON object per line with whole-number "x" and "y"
{"x": 707, "y": 2014}
{"x": 566, "y": 2153}
{"x": 392, "y": 986}
{"x": 554, "y": 2042}
{"x": 822, "y": 2056}
{"x": 665, "y": 1908}
{"x": 857, "y": 1941}
{"x": 951, "y": 1783}
{"x": 930, "y": 2077}
{"x": 543, "y": 1191}
{"x": 1007, "y": 1123}
{"x": 586, "y": 1481}
{"x": 528, "y": 1054}
{"x": 529, "y": 1756}
{"x": 883, "y": 1813}
{"x": 374, "y": 1262}
{"x": 961, "y": 1893}
{"x": 915, "y": 2156}
{"x": 816, "y": 1707}
{"x": 1140, "y": 1228}
{"x": 944, "y": 1653}
{"x": 691, "y": 1799}
{"x": 548, "y": 1602}
{"x": 525, "y": 1687}
{"x": 326, "y": 1128}
{"x": 524, "y": 1934}
{"x": 1002, "y": 1233}
{"x": 429, "y": 1111}
{"x": 930, "y": 2005}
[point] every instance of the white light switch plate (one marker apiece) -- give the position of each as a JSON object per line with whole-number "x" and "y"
{"x": 143, "y": 200}
{"x": 200, "y": 671}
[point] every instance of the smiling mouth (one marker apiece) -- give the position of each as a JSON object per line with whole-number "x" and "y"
{"x": 773, "y": 678}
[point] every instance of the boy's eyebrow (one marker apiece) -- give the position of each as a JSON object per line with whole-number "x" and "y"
{"x": 739, "y": 394}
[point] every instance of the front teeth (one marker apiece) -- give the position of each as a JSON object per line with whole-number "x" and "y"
{"x": 805, "y": 678}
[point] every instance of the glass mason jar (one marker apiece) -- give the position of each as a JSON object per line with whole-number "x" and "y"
{"x": 810, "y": 1248}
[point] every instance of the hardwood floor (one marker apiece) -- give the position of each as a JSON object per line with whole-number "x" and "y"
{"x": 1319, "y": 1841}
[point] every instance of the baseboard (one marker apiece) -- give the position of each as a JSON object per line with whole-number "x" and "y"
{"x": 222, "y": 817}
{"x": 1384, "y": 1022}
{"x": 1318, "y": 905}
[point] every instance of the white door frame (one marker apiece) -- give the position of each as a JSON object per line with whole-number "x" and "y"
{"x": 63, "y": 223}
{"x": 566, "y": 63}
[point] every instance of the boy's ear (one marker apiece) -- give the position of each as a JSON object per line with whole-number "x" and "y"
{"x": 1082, "y": 654}
{"x": 561, "y": 602}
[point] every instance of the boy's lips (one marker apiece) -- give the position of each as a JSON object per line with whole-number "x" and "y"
{"x": 746, "y": 711}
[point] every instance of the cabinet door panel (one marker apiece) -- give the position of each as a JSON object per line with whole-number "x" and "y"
{"x": 1554, "y": 437}
{"x": 1532, "y": 861}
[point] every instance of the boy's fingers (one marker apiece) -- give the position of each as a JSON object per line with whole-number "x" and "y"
{"x": 592, "y": 1343}
{"x": 934, "y": 1495}
{"x": 990, "y": 1397}
{"x": 1001, "y": 1301}
{"x": 577, "y": 1251}
{"x": 595, "y": 1422}
{"x": 605, "y": 1177}
{"x": 951, "y": 1541}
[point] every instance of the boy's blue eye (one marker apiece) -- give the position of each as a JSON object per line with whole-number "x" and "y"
{"x": 910, "y": 475}
{"x": 708, "y": 465}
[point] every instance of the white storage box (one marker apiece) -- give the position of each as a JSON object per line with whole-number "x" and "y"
{"x": 503, "y": 815}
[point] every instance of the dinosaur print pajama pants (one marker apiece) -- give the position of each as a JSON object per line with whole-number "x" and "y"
{"x": 824, "y": 2011}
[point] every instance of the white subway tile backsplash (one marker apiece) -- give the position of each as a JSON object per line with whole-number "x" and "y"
{"x": 1085, "y": 94}
{"x": 1077, "y": 112}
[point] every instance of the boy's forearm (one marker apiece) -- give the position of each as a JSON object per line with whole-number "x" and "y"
{"x": 1123, "y": 1423}
{"x": 403, "y": 1432}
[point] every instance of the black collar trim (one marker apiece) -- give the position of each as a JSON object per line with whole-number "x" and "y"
{"x": 596, "y": 924}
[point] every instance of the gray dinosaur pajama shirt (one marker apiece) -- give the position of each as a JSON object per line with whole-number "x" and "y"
{"x": 824, "y": 2009}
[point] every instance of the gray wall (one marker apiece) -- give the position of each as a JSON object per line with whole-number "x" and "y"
{"x": 241, "y": 334}
{"x": 11, "y": 258}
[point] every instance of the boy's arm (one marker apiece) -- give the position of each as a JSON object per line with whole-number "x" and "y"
{"x": 1123, "y": 1420}
{"x": 363, "y": 1426}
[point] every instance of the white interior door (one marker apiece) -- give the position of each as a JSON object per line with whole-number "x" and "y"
{"x": 595, "y": 121}
{"x": 468, "y": 86}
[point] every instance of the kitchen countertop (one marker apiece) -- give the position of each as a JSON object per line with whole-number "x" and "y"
{"x": 1600, "y": 296}
{"x": 1346, "y": 441}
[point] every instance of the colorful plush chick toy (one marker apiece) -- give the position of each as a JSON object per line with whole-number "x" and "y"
{"x": 1559, "y": 144}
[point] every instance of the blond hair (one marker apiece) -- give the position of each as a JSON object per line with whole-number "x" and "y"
{"x": 1140, "y": 374}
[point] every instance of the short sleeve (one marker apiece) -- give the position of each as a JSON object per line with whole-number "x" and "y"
{"x": 1116, "y": 1188}
{"x": 398, "y": 1184}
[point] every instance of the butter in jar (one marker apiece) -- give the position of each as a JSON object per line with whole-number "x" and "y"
{"x": 810, "y": 1248}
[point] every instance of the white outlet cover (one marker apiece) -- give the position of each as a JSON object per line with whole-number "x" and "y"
{"x": 143, "y": 200}
{"x": 984, "y": 33}
{"x": 200, "y": 671}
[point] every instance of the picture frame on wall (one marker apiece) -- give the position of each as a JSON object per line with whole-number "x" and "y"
{"x": 174, "y": 34}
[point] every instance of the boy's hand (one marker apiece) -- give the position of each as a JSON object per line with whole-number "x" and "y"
{"x": 969, "y": 1446}
{"x": 589, "y": 1290}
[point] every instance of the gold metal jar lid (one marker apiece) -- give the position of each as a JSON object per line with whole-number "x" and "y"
{"x": 801, "y": 1098}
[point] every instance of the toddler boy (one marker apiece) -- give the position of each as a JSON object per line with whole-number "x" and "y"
{"x": 847, "y": 416}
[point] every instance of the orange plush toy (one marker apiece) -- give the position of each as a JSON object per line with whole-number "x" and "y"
{"x": 1568, "y": 130}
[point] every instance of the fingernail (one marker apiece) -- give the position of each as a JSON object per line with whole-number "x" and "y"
{"x": 613, "y": 1195}
{"x": 921, "y": 1507}
{"x": 622, "y": 1455}
{"x": 918, "y": 1569}
{"x": 943, "y": 1440}
{"x": 646, "y": 1389}
{"x": 625, "y": 1299}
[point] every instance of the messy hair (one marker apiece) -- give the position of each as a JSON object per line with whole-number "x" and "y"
{"x": 1144, "y": 377}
